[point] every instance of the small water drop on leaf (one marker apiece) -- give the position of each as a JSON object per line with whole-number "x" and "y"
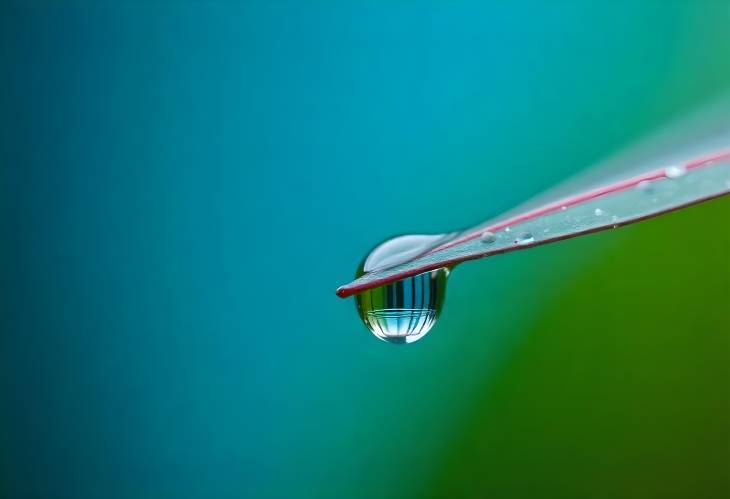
{"x": 525, "y": 238}
{"x": 488, "y": 237}
{"x": 675, "y": 171}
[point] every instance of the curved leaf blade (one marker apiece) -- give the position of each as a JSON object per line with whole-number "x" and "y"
{"x": 624, "y": 201}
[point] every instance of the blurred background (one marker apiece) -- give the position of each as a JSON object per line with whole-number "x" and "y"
{"x": 183, "y": 187}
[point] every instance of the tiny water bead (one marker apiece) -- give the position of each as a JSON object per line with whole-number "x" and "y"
{"x": 488, "y": 237}
{"x": 675, "y": 171}
{"x": 525, "y": 238}
{"x": 405, "y": 310}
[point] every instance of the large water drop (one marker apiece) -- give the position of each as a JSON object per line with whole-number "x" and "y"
{"x": 402, "y": 311}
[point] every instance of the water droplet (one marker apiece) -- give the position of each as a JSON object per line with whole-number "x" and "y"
{"x": 488, "y": 237}
{"x": 598, "y": 212}
{"x": 525, "y": 238}
{"x": 645, "y": 186}
{"x": 563, "y": 208}
{"x": 404, "y": 311}
{"x": 675, "y": 171}
{"x": 507, "y": 229}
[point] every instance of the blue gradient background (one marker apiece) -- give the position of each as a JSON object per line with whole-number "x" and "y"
{"x": 184, "y": 186}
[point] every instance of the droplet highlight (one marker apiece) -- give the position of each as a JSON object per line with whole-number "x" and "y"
{"x": 400, "y": 249}
{"x": 675, "y": 171}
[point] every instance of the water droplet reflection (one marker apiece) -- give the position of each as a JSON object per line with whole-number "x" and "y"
{"x": 402, "y": 311}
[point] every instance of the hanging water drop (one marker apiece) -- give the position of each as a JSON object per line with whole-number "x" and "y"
{"x": 402, "y": 311}
{"x": 598, "y": 212}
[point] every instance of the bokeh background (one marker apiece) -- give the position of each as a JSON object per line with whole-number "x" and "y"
{"x": 183, "y": 187}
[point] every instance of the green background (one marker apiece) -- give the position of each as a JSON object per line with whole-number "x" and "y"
{"x": 183, "y": 187}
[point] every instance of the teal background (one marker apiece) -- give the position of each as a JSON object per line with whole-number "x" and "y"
{"x": 184, "y": 186}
